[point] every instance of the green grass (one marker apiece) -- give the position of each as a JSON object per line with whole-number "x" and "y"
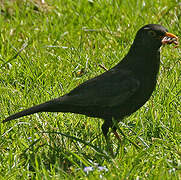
{"x": 60, "y": 39}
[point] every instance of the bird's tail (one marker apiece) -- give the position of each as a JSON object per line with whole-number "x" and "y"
{"x": 47, "y": 106}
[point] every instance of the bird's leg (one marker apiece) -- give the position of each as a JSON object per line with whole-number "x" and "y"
{"x": 120, "y": 147}
{"x": 114, "y": 128}
{"x": 105, "y": 129}
{"x": 117, "y": 136}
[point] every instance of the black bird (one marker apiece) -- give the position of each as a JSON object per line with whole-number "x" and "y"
{"x": 120, "y": 91}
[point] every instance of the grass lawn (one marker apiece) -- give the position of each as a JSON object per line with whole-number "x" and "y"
{"x": 48, "y": 49}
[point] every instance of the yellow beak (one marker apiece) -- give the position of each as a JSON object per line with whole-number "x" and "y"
{"x": 171, "y": 35}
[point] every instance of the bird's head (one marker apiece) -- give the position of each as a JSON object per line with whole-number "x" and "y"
{"x": 152, "y": 36}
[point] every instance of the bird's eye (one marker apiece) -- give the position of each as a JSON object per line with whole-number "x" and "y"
{"x": 152, "y": 33}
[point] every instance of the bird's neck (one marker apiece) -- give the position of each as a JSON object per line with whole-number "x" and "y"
{"x": 140, "y": 50}
{"x": 143, "y": 59}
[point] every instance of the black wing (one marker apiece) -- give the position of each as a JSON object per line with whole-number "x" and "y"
{"x": 109, "y": 89}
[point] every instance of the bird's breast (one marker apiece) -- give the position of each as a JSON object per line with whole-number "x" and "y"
{"x": 148, "y": 80}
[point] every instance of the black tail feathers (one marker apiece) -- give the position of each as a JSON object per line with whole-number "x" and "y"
{"x": 35, "y": 109}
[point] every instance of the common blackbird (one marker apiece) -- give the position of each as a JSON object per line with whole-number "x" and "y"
{"x": 120, "y": 91}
